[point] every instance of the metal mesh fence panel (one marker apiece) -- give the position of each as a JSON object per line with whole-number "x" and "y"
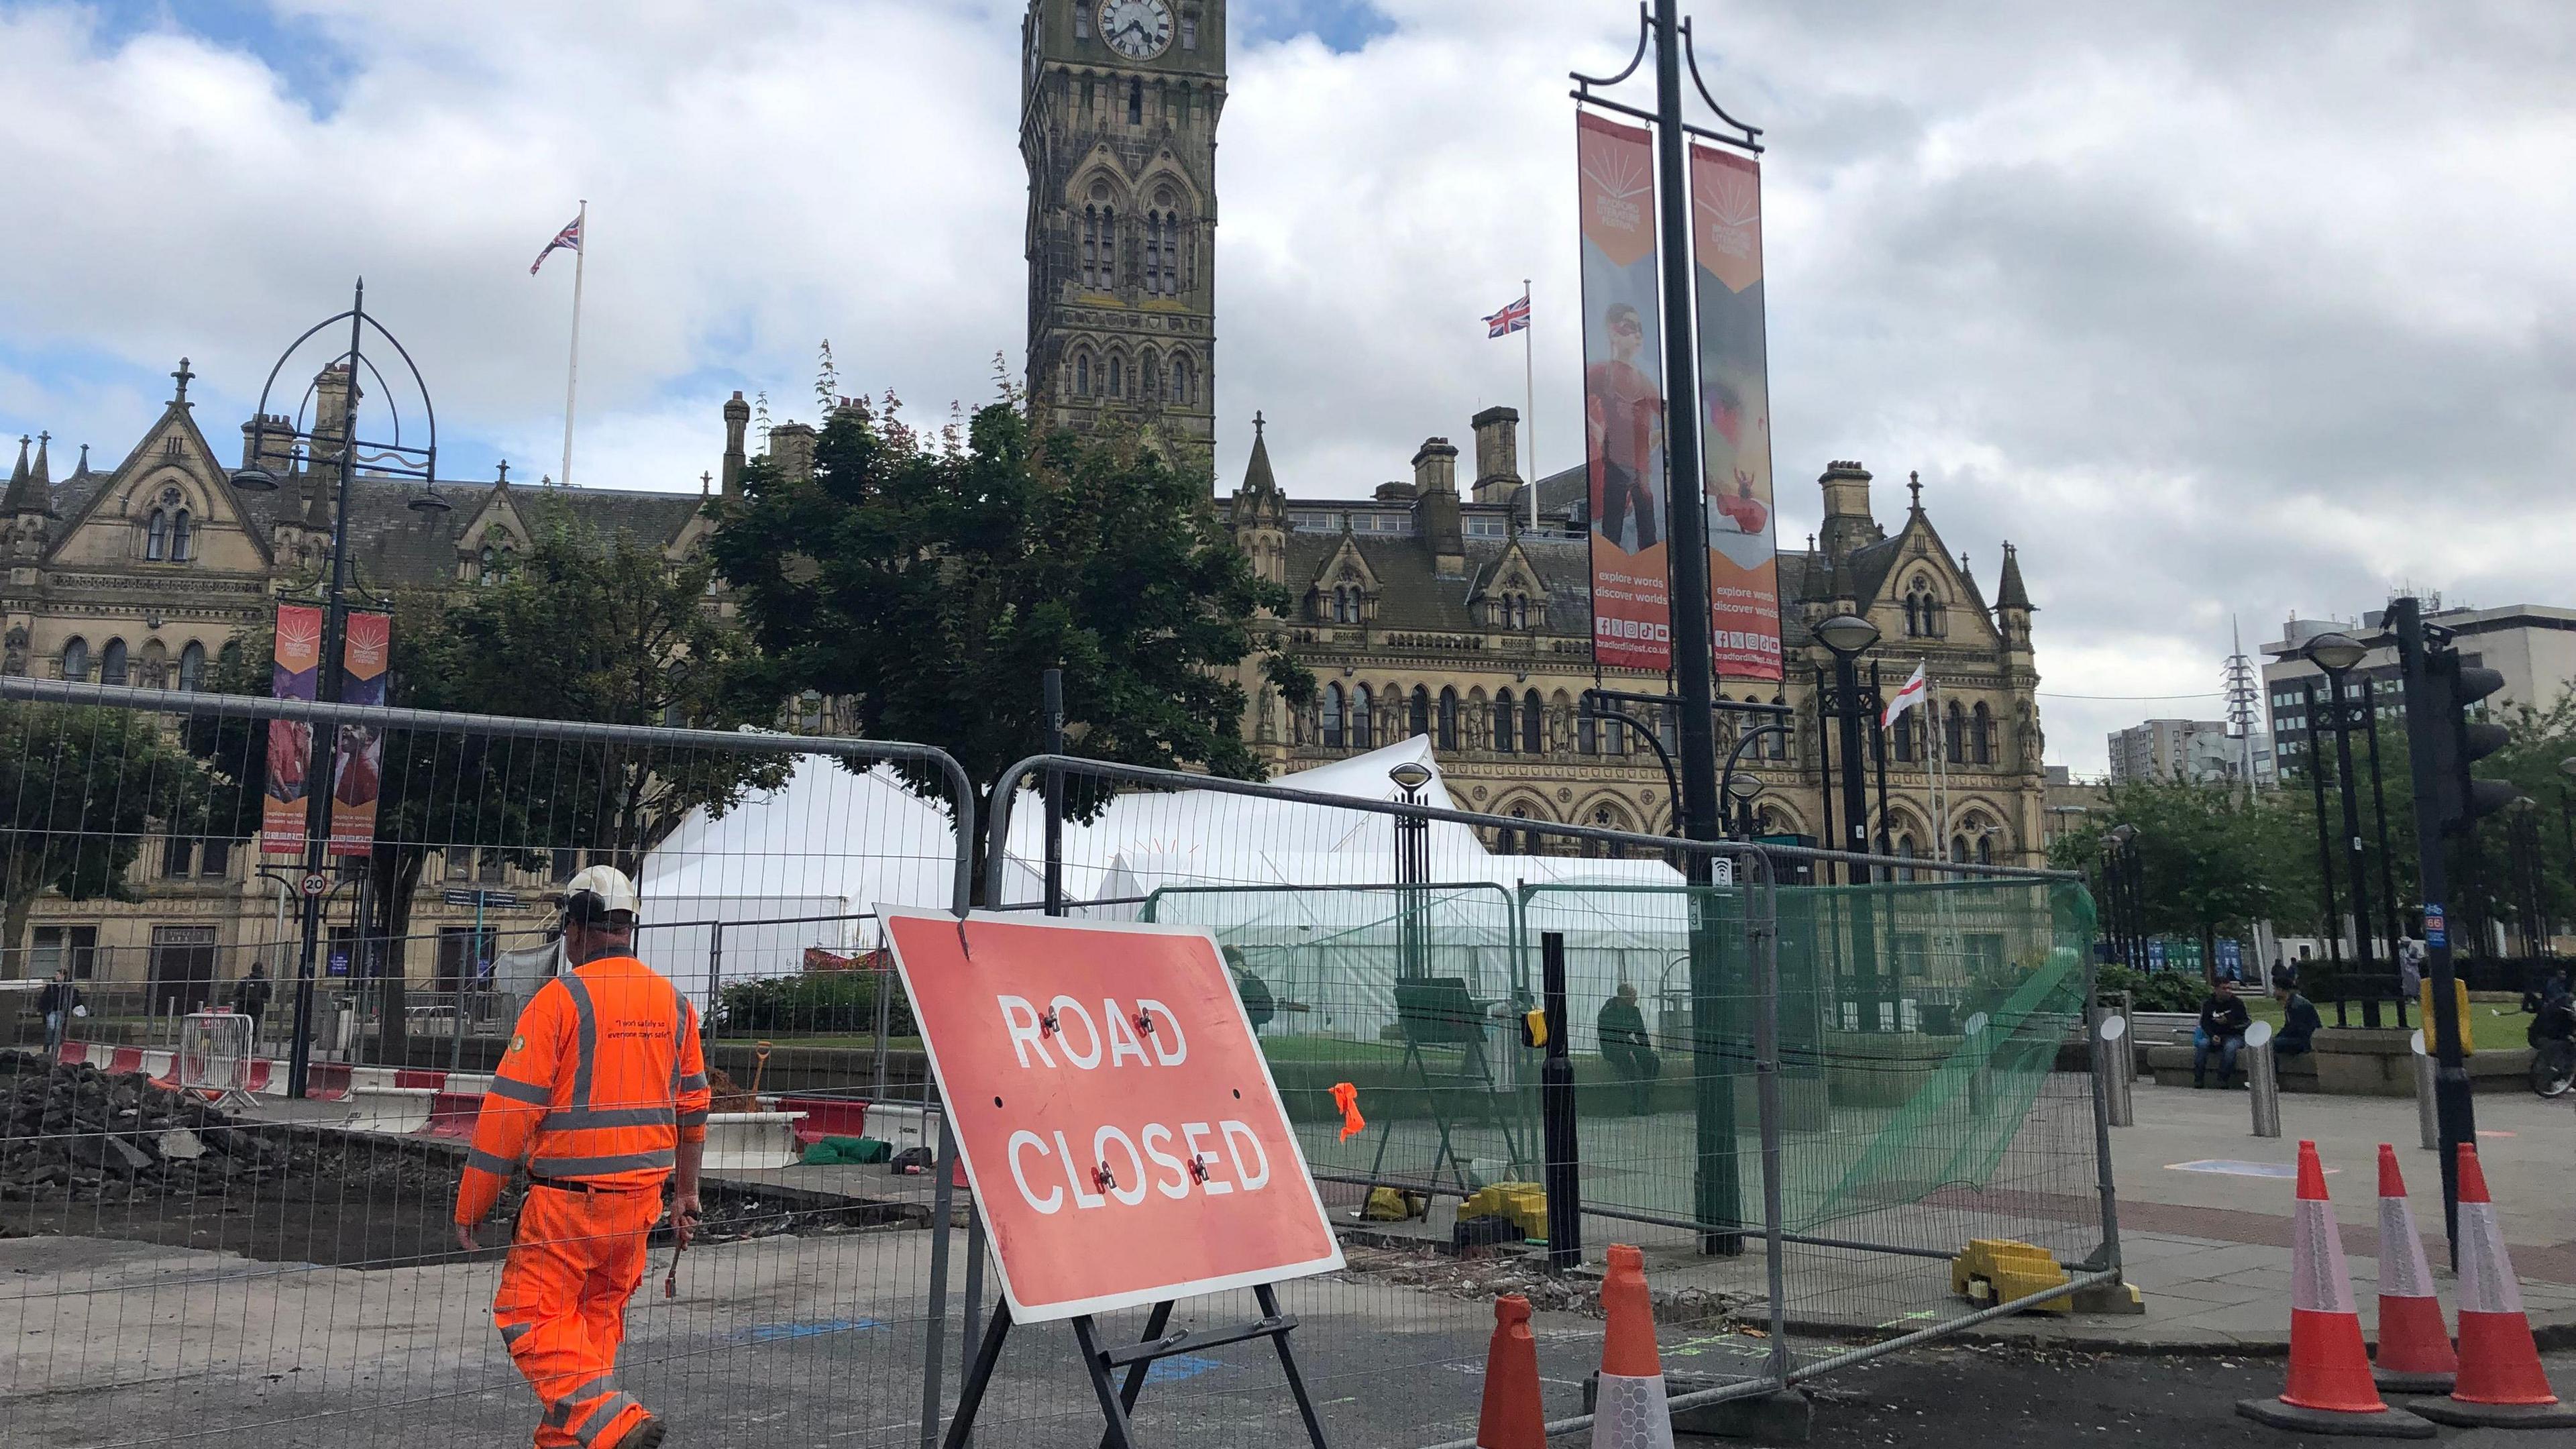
{"x": 282, "y": 1268}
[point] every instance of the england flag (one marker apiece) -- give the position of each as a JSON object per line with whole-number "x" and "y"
{"x": 1904, "y": 699}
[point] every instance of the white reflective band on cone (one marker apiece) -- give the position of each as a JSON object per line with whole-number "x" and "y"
{"x": 2318, "y": 1282}
{"x": 1631, "y": 1413}
{"x": 2486, "y": 1284}
{"x": 2403, "y": 1273}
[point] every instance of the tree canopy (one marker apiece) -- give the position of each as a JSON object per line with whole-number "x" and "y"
{"x": 83, "y": 789}
{"x": 927, "y": 587}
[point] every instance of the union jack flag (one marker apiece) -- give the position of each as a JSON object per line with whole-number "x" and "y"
{"x": 1513, "y": 318}
{"x": 568, "y": 239}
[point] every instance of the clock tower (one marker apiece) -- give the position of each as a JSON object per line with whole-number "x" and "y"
{"x": 1118, "y": 108}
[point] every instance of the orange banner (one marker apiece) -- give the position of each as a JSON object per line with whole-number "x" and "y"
{"x": 1735, "y": 398}
{"x": 358, "y": 763}
{"x": 1118, "y": 1122}
{"x": 1623, "y": 397}
{"x": 297, "y": 667}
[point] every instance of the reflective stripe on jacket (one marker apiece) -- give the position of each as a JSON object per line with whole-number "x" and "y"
{"x": 603, "y": 1079}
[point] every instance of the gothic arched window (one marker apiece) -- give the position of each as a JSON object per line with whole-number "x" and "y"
{"x": 1901, "y": 747}
{"x": 1182, "y": 391}
{"x": 1506, "y": 723}
{"x": 1331, "y": 731}
{"x": 1420, "y": 715}
{"x": 1521, "y": 843}
{"x": 1363, "y": 719}
{"x": 1981, "y": 735}
{"x": 1533, "y": 726}
{"x": 1090, "y": 246}
{"x": 1956, "y": 746}
{"x": 1587, "y": 735}
{"x": 1448, "y": 739}
{"x": 156, "y": 536}
{"x": 1117, "y": 376}
{"x": 1614, "y": 736}
{"x": 1777, "y": 746}
{"x": 181, "y": 534}
{"x": 76, "y": 658}
{"x": 1135, "y": 102}
{"x": 111, "y": 663}
{"x": 192, "y": 667}
{"x": 1082, "y": 375}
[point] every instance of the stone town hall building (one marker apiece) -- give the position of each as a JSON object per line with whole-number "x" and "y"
{"x": 1429, "y": 605}
{"x": 1425, "y": 606}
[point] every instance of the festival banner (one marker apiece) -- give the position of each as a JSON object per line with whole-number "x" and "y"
{"x": 1735, "y": 399}
{"x": 1623, "y": 397}
{"x": 358, "y": 764}
{"x": 296, "y": 669}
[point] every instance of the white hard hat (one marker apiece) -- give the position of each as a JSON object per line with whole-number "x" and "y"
{"x": 599, "y": 892}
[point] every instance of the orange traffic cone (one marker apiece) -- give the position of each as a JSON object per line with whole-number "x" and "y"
{"x": 2415, "y": 1354}
{"x": 2500, "y": 1382}
{"x": 1511, "y": 1417}
{"x": 2330, "y": 1391}
{"x": 1628, "y": 1410}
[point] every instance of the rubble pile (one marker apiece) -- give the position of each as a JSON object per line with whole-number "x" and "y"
{"x": 70, "y": 1132}
{"x": 1483, "y": 1277}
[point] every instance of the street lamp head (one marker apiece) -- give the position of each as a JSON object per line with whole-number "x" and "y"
{"x": 427, "y": 502}
{"x": 2123, "y": 834}
{"x": 1410, "y": 776}
{"x": 2568, "y": 765}
{"x": 1847, "y": 634}
{"x": 252, "y": 478}
{"x": 2335, "y": 653}
{"x": 1742, "y": 788}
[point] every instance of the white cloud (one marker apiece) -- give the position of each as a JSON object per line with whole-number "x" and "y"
{"x": 2211, "y": 310}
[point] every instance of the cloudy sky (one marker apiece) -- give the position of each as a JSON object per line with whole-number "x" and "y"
{"x": 2217, "y": 311}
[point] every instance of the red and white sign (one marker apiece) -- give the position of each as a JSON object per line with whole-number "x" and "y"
{"x": 1118, "y": 1121}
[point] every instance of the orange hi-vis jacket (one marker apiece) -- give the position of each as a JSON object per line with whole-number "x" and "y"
{"x": 603, "y": 1079}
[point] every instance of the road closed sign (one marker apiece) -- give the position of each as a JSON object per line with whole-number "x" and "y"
{"x": 1118, "y": 1121}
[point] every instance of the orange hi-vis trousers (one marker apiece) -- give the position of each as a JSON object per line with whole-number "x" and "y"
{"x": 574, "y": 1261}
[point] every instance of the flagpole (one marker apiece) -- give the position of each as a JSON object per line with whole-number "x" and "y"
{"x": 1529, "y": 397}
{"x": 572, "y": 367}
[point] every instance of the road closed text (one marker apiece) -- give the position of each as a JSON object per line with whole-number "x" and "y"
{"x": 1118, "y": 1162}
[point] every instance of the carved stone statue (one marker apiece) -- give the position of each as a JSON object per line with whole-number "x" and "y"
{"x": 15, "y": 659}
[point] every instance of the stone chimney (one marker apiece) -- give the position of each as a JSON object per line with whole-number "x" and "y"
{"x": 791, "y": 450}
{"x": 1498, "y": 467}
{"x": 737, "y": 416}
{"x": 333, "y": 396}
{"x": 1848, "y": 524}
{"x": 1435, "y": 507}
{"x": 269, "y": 442}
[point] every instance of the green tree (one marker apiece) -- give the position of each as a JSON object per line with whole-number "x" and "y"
{"x": 584, "y": 626}
{"x": 79, "y": 791}
{"x": 929, "y": 586}
{"x": 2208, "y": 855}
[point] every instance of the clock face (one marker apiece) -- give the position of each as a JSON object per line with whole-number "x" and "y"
{"x": 1137, "y": 29}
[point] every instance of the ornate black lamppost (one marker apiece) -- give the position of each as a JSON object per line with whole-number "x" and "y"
{"x": 2336, "y": 654}
{"x": 308, "y": 446}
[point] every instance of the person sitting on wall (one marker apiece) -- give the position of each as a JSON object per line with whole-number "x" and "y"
{"x": 2223, "y": 1019}
{"x": 2299, "y": 1025}
{"x": 1627, "y": 1048}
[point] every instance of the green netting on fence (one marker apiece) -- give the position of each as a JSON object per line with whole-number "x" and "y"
{"x": 1919, "y": 1022}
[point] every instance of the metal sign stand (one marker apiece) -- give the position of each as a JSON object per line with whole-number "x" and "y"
{"x": 1117, "y": 1400}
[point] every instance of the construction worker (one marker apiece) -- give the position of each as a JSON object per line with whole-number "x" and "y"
{"x": 603, "y": 1092}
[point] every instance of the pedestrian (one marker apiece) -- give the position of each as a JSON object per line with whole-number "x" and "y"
{"x": 58, "y": 1002}
{"x": 1627, "y": 1048}
{"x": 603, "y": 1091}
{"x": 2223, "y": 1019}
{"x": 2299, "y": 1026}
{"x": 250, "y": 996}
{"x": 2410, "y": 968}
{"x": 2284, "y": 980}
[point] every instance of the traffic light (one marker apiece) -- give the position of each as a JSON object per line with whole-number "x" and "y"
{"x": 2461, "y": 799}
